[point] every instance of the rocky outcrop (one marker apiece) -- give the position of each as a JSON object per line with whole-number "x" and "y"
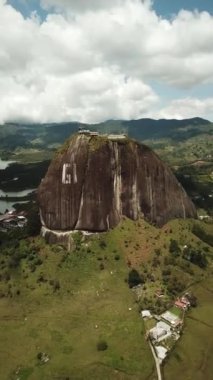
{"x": 95, "y": 180}
{"x": 64, "y": 238}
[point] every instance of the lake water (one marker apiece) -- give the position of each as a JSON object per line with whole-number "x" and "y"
{"x": 5, "y": 164}
{"x": 7, "y": 204}
{"x": 4, "y": 205}
{"x": 18, "y": 194}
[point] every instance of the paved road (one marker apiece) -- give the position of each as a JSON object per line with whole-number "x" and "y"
{"x": 156, "y": 362}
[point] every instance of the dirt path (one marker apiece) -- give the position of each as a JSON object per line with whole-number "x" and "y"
{"x": 156, "y": 362}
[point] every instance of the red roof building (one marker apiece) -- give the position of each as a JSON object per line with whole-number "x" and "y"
{"x": 180, "y": 304}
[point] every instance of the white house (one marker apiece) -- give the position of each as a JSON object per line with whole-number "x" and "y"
{"x": 146, "y": 314}
{"x": 161, "y": 352}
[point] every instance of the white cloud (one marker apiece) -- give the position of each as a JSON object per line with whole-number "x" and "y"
{"x": 179, "y": 52}
{"x": 80, "y": 5}
{"x": 95, "y": 61}
{"x": 185, "y": 108}
{"x": 89, "y": 96}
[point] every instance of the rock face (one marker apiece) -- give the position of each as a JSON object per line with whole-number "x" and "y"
{"x": 95, "y": 180}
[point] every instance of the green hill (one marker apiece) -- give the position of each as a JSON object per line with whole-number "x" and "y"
{"x": 41, "y": 136}
{"x": 78, "y": 309}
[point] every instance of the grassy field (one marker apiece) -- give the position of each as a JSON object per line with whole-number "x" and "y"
{"x": 92, "y": 304}
{"x": 64, "y": 304}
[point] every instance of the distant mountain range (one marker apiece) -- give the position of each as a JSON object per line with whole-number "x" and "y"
{"x": 13, "y": 135}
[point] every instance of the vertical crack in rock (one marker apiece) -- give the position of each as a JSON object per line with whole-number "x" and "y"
{"x": 183, "y": 207}
{"x": 81, "y": 204}
{"x": 135, "y": 198}
{"x": 117, "y": 184}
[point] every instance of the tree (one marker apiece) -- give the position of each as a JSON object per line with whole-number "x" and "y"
{"x": 192, "y": 299}
{"x": 102, "y": 345}
{"x": 195, "y": 256}
{"x": 134, "y": 278}
{"x": 174, "y": 247}
{"x": 33, "y": 221}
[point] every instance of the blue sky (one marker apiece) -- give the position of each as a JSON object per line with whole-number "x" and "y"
{"x": 26, "y": 7}
{"x": 93, "y": 60}
{"x": 169, "y": 7}
{"x": 165, "y": 8}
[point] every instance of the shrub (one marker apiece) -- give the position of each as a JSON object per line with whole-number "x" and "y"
{"x": 38, "y": 261}
{"x": 102, "y": 345}
{"x": 134, "y": 278}
{"x": 202, "y": 234}
{"x": 39, "y": 355}
{"x": 77, "y": 238}
{"x": 31, "y": 257}
{"x": 102, "y": 244}
{"x": 55, "y": 284}
{"x": 157, "y": 251}
{"x": 41, "y": 278}
{"x": 117, "y": 257}
{"x": 174, "y": 247}
{"x": 175, "y": 286}
{"x": 155, "y": 262}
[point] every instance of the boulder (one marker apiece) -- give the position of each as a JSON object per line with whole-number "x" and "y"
{"x": 94, "y": 181}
